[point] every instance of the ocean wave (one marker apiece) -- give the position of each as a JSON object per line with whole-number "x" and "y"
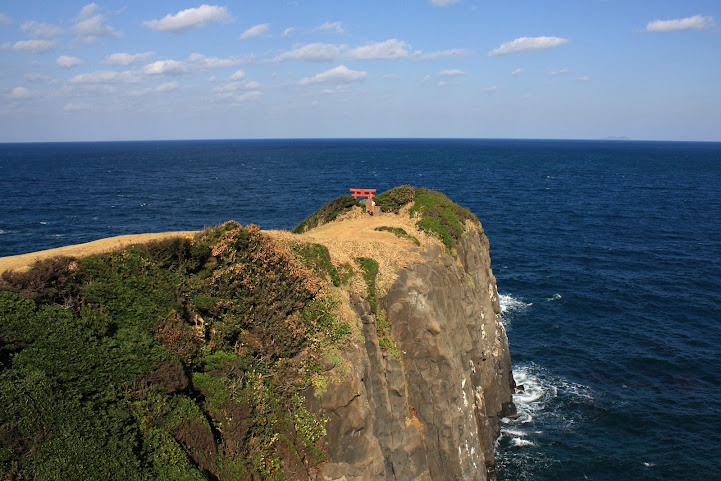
{"x": 4, "y": 232}
{"x": 540, "y": 398}
{"x": 510, "y": 303}
{"x": 555, "y": 297}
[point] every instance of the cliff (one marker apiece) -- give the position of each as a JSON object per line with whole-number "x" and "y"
{"x": 356, "y": 348}
{"x": 428, "y": 407}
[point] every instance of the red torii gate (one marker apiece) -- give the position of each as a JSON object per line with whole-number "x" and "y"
{"x": 364, "y": 193}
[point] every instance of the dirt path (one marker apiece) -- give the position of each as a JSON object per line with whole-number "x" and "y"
{"x": 23, "y": 262}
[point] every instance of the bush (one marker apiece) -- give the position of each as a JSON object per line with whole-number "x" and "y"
{"x": 327, "y": 213}
{"x": 392, "y": 200}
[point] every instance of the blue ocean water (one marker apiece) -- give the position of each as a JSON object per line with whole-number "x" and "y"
{"x": 606, "y": 255}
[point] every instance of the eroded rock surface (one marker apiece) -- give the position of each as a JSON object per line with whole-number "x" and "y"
{"x": 432, "y": 413}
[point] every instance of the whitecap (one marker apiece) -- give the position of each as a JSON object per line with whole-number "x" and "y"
{"x": 510, "y": 303}
{"x": 555, "y": 297}
{"x": 522, "y": 442}
{"x": 3, "y": 232}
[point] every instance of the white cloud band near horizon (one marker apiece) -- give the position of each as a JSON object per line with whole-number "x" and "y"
{"x": 697, "y": 22}
{"x": 527, "y": 44}
{"x": 189, "y": 19}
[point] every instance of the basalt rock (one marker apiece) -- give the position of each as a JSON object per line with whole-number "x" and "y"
{"x": 431, "y": 413}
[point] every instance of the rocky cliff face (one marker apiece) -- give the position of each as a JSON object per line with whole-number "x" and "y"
{"x": 431, "y": 413}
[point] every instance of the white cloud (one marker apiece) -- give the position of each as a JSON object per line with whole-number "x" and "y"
{"x": 5, "y": 20}
{"x": 238, "y": 75}
{"x": 256, "y": 31}
{"x": 337, "y": 75}
{"x": 335, "y": 27}
{"x": 451, "y": 73}
{"x": 106, "y": 76}
{"x": 68, "y": 62}
{"x": 165, "y": 87}
{"x": 443, "y": 3}
{"x": 288, "y": 31}
{"x": 389, "y": 49}
{"x": 195, "y": 63}
{"x": 456, "y": 52}
{"x": 36, "y": 77}
{"x": 445, "y": 83}
{"x": 167, "y": 67}
{"x": 517, "y": 71}
{"x": 90, "y": 25}
{"x": 313, "y": 52}
{"x": 558, "y": 72}
{"x": 697, "y": 22}
{"x": 122, "y": 58}
{"x": 527, "y": 44}
{"x": 585, "y": 78}
{"x": 41, "y": 30}
{"x": 29, "y": 46}
{"x": 20, "y": 93}
{"x": 238, "y": 85}
{"x": 189, "y": 19}
{"x": 491, "y": 90}
{"x": 202, "y": 62}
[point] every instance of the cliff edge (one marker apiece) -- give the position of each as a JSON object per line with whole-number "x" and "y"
{"x": 422, "y": 394}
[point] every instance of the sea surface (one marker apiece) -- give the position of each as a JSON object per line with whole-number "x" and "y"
{"x": 607, "y": 255}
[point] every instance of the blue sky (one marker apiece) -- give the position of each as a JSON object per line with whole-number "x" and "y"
{"x": 590, "y": 69}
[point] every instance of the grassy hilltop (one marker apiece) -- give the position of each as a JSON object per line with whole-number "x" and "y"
{"x": 187, "y": 358}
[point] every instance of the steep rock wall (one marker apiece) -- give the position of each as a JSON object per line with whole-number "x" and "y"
{"x": 432, "y": 413}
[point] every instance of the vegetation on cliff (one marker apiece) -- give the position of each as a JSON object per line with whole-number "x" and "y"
{"x": 182, "y": 359}
{"x": 437, "y": 214}
{"x": 327, "y": 213}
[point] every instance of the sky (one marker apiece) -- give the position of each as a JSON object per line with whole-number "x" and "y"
{"x": 574, "y": 69}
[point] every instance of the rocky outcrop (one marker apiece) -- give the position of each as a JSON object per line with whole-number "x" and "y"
{"x": 431, "y": 413}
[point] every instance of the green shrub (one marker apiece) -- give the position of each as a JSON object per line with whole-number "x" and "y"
{"x": 327, "y": 213}
{"x": 370, "y": 271}
{"x": 400, "y": 233}
{"x": 392, "y": 200}
{"x": 317, "y": 257}
{"x": 440, "y": 216}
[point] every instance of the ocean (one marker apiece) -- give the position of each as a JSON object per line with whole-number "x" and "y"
{"x": 607, "y": 256}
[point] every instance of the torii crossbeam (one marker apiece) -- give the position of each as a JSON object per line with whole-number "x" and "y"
{"x": 364, "y": 193}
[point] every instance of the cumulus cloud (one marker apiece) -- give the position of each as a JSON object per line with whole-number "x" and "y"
{"x": 41, "y": 30}
{"x": 585, "y": 78}
{"x": 445, "y": 83}
{"x": 443, "y": 3}
{"x": 697, "y": 22}
{"x": 238, "y": 75}
{"x": 389, "y": 49}
{"x": 195, "y": 63}
{"x": 337, "y": 75}
{"x": 517, "y": 71}
{"x": 89, "y": 25}
{"x": 68, "y": 62}
{"x": 256, "y": 31}
{"x": 20, "y": 93}
{"x": 122, "y": 58}
{"x": 106, "y": 76}
{"x": 313, "y": 52}
{"x": 527, "y": 44}
{"x": 491, "y": 90}
{"x": 244, "y": 97}
{"x": 189, "y": 19}
{"x": 29, "y": 46}
{"x": 451, "y": 73}
{"x": 237, "y": 85}
{"x": 334, "y": 27}
{"x": 288, "y": 32}
{"x": 5, "y": 20}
